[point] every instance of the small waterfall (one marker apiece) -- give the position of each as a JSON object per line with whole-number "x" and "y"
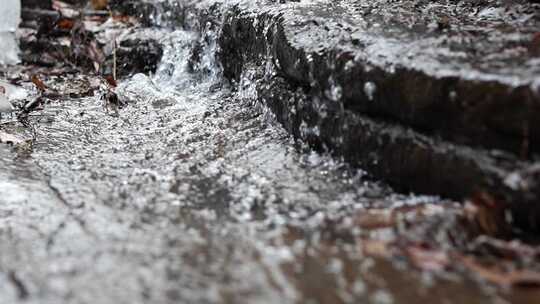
{"x": 188, "y": 68}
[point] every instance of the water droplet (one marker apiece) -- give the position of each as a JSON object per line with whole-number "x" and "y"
{"x": 370, "y": 89}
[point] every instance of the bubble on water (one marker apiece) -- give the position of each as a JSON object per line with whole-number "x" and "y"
{"x": 452, "y": 95}
{"x": 335, "y": 92}
{"x": 359, "y": 287}
{"x": 349, "y": 65}
{"x": 382, "y": 297}
{"x": 335, "y": 266}
{"x": 314, "y": 158}
{"x": 370, "y": 88}
{"x": 514, "y": 181}
{"x": 508, "y": 217}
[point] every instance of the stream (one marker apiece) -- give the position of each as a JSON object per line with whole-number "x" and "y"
{"x": 193, "y": 193}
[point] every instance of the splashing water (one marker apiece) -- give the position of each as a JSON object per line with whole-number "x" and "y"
{"x": 370, "y": 89}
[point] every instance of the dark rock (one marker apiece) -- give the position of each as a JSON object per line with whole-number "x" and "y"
{"x": 43, "y": 4}
{"x": 77, "y": 2}
{"x": 136, "y": 56}
{"x": 430, "y": 88}
{"x": 146, "y": 12}
{"x": 38, "y": 18}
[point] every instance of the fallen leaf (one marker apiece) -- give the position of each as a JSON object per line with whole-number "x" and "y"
{"x": 376, "y": 248}
{"x": 375, "y": 219}
{"x": 65, "y": 24}
{"x": 111, "y": 81}
{"x": 38, "y": 83}
{"x": 100, "y": 4}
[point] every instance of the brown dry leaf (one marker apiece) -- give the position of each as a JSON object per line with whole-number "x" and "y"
{"x": 376, "y": 248}
{"x": 38, "y": 83}
{"x": 375, "y": 219}
{"x": 100, "y": 4}
{"x": 514, "y": 278}
{"x": 428, "y": 259}
{"x": 111, "y": 81}
{"x": 65, "y": 24}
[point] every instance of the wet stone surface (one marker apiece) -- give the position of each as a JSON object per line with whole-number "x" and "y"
{"x": 188, "y": 190}
{"x": 445, "y": 111}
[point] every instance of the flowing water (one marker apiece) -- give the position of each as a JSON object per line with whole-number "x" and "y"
{"x": 192, "y": 193}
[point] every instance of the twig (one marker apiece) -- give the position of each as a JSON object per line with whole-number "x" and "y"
{"x": 114, "y": 59}
{"x": 114, "y": 48}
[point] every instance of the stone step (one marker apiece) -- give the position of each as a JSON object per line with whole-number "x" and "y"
{"x": 433, "y": 97}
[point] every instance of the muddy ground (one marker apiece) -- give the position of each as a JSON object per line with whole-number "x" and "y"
{"x": 148, "y": 171}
